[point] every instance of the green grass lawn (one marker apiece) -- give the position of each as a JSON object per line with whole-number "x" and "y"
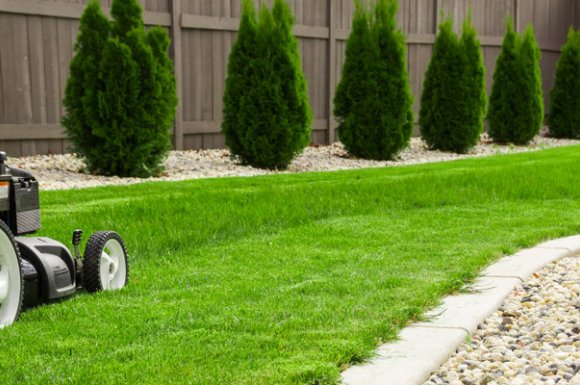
{"x": 282, "y": 279}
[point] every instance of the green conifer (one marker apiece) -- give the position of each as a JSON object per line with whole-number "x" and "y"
{"x": 267, "y": 116}
{"x": 352, "y": 102}
{"x": 474, "y": 82}
{"x": 533, "y": 119}
{"x": 120, "y": 103}
{"x": 453, "y": 101}
{"x": 81, "y": 99}
{"x": 516, "y": 110}
{"x": 240, "y": 77}
{"x": 373, "y": 102}
{"x": 127, "y": 16}
{"x": 564, "y": 118}
{"x": 505, "y": 99}
{"x": 124, "y": 78}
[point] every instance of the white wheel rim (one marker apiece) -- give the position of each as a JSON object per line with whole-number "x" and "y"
{"x": 113, "y": 268}
{"x": 10, "y": 281}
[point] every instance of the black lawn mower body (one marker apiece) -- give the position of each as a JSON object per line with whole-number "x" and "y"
{"x": 47, "y": 271}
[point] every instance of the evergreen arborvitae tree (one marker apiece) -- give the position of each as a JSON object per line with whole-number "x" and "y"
{"x": 453, "y": 100}
{"x": 352, "y": 103}
{"x": 516, "y": 110}
{"x": 373, "y": 102}
{"x": 127, "y": 16}
{"x": 131, "y": 101}
{"x": 505, "y": 99}
{"x": 474, "y": 83}
{"x": 564, "y": 118}
{"x": 81, "y": 99}
{"x": 239, "y": 80}
{"x": 267, "y": 117}
{"x": 530, "y": 56}
{"x": 120, "y": 98}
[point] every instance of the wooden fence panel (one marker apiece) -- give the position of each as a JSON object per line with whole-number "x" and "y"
{"x": 38, "y": 38}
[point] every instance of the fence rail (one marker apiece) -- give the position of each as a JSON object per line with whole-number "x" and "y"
{"x": 37, "y": 38}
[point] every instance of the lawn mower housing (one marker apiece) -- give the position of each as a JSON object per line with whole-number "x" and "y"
{"x": 19, "y": 203}
{"x": 47, "y": 270}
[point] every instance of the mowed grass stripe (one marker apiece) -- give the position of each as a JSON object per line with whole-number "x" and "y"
{"x": 282, "y": 279}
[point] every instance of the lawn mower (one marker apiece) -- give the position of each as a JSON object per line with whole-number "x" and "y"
{"x": 37, "y": 270}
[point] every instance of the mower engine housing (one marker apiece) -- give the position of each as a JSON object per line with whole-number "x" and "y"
{"x": 19, "y": 203}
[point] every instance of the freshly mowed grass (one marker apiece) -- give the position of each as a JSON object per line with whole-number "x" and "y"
{"x": 282, "y": 279}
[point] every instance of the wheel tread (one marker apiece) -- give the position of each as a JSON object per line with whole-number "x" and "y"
{"x": 92, "y": 259}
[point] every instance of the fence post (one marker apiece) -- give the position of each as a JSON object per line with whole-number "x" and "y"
{"x": 332, "y": 63}
{"x": 178, "y": 68}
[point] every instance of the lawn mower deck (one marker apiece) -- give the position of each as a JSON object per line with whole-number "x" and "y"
{"x": 37, "y": 270}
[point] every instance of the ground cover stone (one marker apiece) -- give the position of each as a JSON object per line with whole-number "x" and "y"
{"x": 534, "y": 338}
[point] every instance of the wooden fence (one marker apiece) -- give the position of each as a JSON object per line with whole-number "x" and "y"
{"x": 37, "y": 38}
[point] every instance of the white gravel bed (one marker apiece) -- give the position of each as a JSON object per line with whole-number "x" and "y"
{"x": 534, "y": 338}
{"x": 67, "y": 171}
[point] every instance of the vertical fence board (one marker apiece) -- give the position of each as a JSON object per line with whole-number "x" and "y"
{"x": 420, "y": 54}
{"x": 490, "y": 55}
{"x": 37, "y": 80}
{"x": 549, "y": 60}
{"x": 51, "y": 70}
{"x": 332, "y": 16}
{"x": 15, "y": 69}
{"x": 177, "y": 49}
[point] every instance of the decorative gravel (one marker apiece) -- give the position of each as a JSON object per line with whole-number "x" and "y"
{"x": 534, "y": 338}
{"x": 67, "y": 171}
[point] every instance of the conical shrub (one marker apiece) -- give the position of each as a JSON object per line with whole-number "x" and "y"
{"x": 564, "y": 118}
{"x": 530, "y": 56}
{"x": 237, "y": 112}
{"x": 474, "y": 82}
{"x": 453, "y": 101}
{"x": 352, "y": 105}
{"x": 127, "y": 16}
{"x": 373, "y": 101}
{"x": 81, "y": 100}
{"x": 127, "y": 89}
{"x": 505, "y": 97}
{"x": 267, "y": 116}
{"x": 516, "y": 110}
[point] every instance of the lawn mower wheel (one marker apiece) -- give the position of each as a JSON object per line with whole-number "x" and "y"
{"x": 105, "y": 262}
{"x": 11, "y": 282}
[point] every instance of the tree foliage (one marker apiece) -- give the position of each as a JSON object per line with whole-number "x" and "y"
{"x": 453, "y": 102}
{"x": 564, "y": 118}
{"x": 267, "y": 116}
{"x": 82, "y": 99}
{"x": 373, "y": 101}
{"x": 516, "y": 109}
{"x": 120, "y": 98}
{"x": 474, "y": 82}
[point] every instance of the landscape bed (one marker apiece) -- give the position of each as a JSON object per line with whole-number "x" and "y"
{"x": 282, "y": 279}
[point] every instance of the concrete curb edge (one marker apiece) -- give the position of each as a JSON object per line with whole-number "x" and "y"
{"x": 424, "y": 346}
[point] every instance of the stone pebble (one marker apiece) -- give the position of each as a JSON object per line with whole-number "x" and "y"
{"x": 534, "y": 338}
{"x": 69, "y": 171}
